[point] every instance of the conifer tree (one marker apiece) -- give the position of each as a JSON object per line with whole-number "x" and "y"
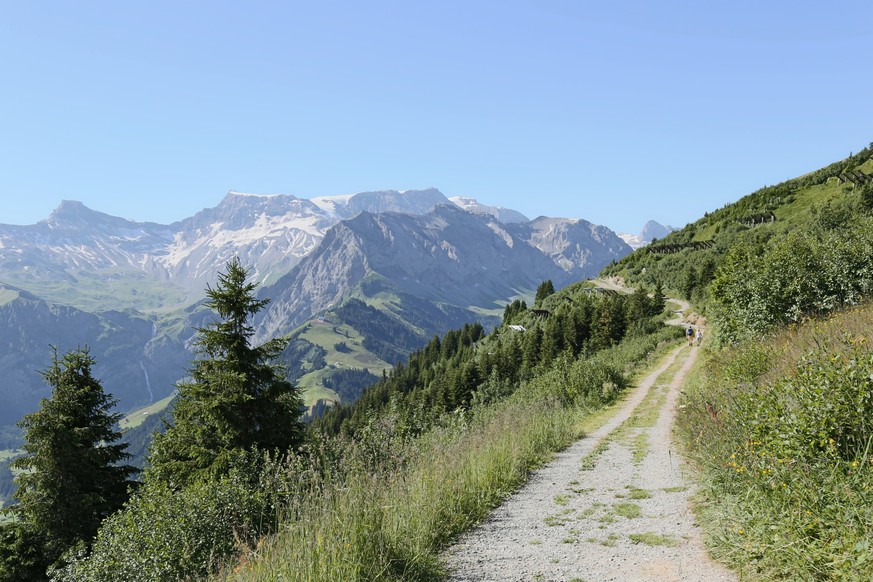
{"x": 72, "y": 477}
{"x": 238, "y": 398}
{"x": 545, "y": 289}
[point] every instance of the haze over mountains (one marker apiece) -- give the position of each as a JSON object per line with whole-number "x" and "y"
{"x": 131, "y": 290}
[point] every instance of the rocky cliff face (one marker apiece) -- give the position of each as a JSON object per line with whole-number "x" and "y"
{"x": 269, "y": 233}
{"x": 578, "y": 247}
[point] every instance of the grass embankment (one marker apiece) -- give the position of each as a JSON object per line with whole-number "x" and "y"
{"x": 393, "y": 505}
{"x": 783, "y": 429}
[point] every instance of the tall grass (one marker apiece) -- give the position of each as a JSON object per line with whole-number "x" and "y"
{"x": 384, "y": 507}
{"x": 783, "y": 429}
{"x": 391, "y": 523}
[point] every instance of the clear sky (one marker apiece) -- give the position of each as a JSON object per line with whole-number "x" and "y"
{"x": 616, "y": 112}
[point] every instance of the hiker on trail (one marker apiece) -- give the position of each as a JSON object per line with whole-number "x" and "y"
{"x": 699, "y": 336}
{"x": 689, "y": 335}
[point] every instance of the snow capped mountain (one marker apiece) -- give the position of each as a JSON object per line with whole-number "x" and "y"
{"x": 75, "y": 238}
{"x": 504, "y": 215}
{"x": 269, "y": 233}
{"x": 448, "y": 256}
{"x": 651, "y": 231}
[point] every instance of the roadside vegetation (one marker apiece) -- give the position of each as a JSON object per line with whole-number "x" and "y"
{"x": 777, "y": 414}
{"x": 399, "y": 495}
{"x": 783, "y": 430}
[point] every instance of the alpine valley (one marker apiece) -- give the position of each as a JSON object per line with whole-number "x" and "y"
{"x": 357, "y": 282}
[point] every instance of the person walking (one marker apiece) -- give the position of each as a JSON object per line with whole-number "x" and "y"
{"x": 699, "y": 336}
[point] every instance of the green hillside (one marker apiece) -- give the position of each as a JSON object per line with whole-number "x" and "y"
{"x": 334, "y": 356}
{"x": 686, "y": 261}
{"x": 104, "y": 290}
{"x": 341, "y": 350}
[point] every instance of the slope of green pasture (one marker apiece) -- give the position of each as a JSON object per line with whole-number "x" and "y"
{"x": 137, "y": 417}
{"x": 322, "y": 332}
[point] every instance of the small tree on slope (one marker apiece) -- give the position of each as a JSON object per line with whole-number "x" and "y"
{"x": 237, "y": 400}
{"x": 71, "y": 478}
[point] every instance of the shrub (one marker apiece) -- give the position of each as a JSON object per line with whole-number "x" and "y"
{"x": 822, "y": 414}
{"x": 163, "y": 534}
{"x": 783, "y": 432}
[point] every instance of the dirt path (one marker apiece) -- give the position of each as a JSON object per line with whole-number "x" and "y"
{"x": 613, "y": 506}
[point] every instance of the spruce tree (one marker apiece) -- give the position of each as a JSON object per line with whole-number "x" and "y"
{"x": 545, "y": 289}
{"x": 238, "y": 398}
{"x": 72, "y": 477}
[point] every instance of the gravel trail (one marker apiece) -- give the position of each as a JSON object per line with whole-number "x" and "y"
{"x": 613, "y": 506}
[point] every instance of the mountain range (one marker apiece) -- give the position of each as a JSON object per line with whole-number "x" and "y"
{"x": 417, "y": 262}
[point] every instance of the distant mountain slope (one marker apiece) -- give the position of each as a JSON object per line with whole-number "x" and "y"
{"x": 414, "y": 277}
{"x": 133, "y": 362}
{"x": 447, "y": 256}
{"x": 268, "y": 233}
{"x": 576, "y": 246}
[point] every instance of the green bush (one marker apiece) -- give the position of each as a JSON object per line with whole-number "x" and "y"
{"x": 163, "y": 534}
{"x": 579, "y": 381}
{"x": 803, "y": 273}
{"x": 823, "y": 414}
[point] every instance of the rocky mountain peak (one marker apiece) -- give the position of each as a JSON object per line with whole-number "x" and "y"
{"x": 73, "y": 213}
{"x": 653, "y": 230}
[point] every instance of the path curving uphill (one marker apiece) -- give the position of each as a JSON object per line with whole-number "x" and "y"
{"x": 613, "y": 506}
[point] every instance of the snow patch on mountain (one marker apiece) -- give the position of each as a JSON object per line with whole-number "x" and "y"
{"x": 504, "y": 215}
{"x": 332, "y": 204}
{"x": 651, "y": 230}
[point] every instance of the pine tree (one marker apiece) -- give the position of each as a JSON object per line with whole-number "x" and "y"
{"x": 72, "y": 477}
{"x": 238, "y": 398}
{"x": 545, "y": 289}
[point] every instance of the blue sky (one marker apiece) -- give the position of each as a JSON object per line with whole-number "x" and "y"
{"x": 616, "y": 112}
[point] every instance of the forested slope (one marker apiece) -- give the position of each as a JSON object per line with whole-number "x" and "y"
{"x": 449, "y": 373}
